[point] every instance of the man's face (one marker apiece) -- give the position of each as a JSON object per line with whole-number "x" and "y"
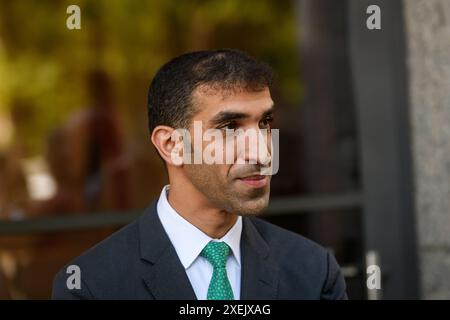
{"x": 234, "y": 186}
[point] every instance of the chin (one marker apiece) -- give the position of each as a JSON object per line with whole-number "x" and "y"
{"x": 253, "y": 207}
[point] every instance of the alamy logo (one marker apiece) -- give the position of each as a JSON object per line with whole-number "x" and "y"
{"x": 74, "y": 20}
{"x": 230, "y": 146}
{"x": 74, "y": 280}
{"x": 373, "y": 277}
{"x": 373, "y": 22}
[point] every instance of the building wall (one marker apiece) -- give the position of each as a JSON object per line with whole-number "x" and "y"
{"x": 428, "y": 59}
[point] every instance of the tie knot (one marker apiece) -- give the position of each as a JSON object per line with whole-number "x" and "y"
{"x": 216, "y": 253}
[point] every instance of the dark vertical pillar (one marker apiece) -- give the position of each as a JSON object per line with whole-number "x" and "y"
{"x": 379, "y": 80}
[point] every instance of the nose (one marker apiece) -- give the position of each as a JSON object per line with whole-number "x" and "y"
{"x": 254, "y": 147}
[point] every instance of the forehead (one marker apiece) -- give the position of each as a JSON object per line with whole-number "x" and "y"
{"x": 209, "y": 101}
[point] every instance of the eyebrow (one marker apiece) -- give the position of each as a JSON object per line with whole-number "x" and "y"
{"x": 225, "y": 116}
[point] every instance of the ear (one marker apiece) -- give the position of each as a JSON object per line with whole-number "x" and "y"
{"x": 168, "y": 145}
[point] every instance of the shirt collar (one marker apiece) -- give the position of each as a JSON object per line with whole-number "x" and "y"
{"x": 187, "y": 239}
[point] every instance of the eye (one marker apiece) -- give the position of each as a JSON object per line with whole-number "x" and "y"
{"x": 266, "y": 122}
{"x": 229, "y": 125}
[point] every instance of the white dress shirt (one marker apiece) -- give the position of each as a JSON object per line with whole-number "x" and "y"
{"x": 189, "y": 242}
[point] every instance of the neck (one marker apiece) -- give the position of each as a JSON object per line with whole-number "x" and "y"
{"x": 193, "y": 206}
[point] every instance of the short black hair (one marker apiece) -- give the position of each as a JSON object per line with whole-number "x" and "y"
{"x": 170, "y": 95}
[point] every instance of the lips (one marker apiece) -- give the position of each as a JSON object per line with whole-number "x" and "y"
{"x": 255, "y": 181}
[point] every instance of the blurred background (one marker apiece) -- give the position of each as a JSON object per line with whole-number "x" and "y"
{"x": 364, "y": 119}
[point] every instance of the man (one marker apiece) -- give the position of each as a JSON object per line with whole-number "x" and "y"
{"x": 201, "y": 239}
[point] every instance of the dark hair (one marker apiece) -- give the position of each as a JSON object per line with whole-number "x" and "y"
{"x": 170, "y": 94}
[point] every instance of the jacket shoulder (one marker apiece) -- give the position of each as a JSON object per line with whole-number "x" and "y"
{"x": 286, "y": 240}
{"x": 302, "y": 262}
{"x": 101, "y": 266}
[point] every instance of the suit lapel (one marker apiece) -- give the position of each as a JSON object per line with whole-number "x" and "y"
{"x": 259, "y": 276}
{"x": 165, "y": 277}
{"x": 163, "y": 273}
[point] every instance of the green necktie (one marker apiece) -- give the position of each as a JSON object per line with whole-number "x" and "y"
{"x": 219, "y": 287}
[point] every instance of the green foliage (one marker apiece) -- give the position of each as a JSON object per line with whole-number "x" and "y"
{"x": 43, "y": 64}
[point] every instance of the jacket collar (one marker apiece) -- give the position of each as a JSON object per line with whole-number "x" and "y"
{"x": 166, "y": 278}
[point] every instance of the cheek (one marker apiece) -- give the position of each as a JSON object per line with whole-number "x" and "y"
{"x": 217, "y": 176}
{"x": 224, "y": 171}
{"x": 208, "y": 175}
{"x": 219, "y": 172}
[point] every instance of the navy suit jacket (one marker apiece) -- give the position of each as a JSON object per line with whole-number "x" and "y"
{"x": 140, "y": 262}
